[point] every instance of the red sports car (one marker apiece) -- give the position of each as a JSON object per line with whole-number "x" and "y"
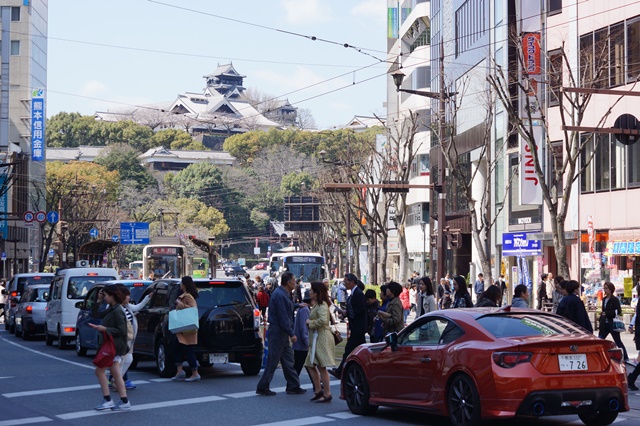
{"x": 483, "y": 363}
{"x": 261, "y": 266}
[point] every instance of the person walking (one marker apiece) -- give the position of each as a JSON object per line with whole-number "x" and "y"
{"x": 426, "y": 298}
{"x": 392, "y": 319}
{"x": 478, "y": 286}
{"x": 542, "y": 291}
{"x": 114, "y": 323}
{"x": 280, "y": 333}
{"x": 490, "y": 298}
{"x": 341, "y": 298}
{"x": 443, "y": 288}
{"x": 520, "y": 297}
{"x": 610, "y": 310}
{"x": 356, "y": 313}
{"x": 405, "y": 300}
{"x": 557, "y": 294}
{"x": 572, "y": 308}
{"x": 461, "y": 296}
{"x": 373, "y": 305}
{"x": 322, "y": 347}
{"x": 301, "y": 330}
{"x": 3, "y": 298}
{"x": 631, "y": 380}
{"x": 185, "y": 341}
{"x": 263, "y": 301}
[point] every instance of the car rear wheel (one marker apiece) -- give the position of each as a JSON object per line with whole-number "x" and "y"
{"x": 251, "y": 367}
{"x": 62, "y": 341}
{"x": 12, "y": 327}
{"x": 601, "y": 418}
{"x": 164, "y": 361}
{"x": 80, "y": 350}
{"x": 48, "y": 339}
{"x": 356, "y": 391}
{"x": 464, "y": 402}
{"x": 18, "y": 332}
{"x": 25, "y": 334}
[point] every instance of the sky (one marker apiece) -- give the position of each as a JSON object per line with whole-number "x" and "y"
{"x": 108, "y": 55}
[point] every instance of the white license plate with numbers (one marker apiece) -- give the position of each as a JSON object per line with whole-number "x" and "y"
{"x": 576, "y": 362}
{"x": 218, "y": 358}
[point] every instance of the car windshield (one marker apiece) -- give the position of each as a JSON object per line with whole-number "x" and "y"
{"x": 39, "y": 295}
{"x": 80, "y": 286}
{"x": 522, "y": 325}
{"x": 220, "y": 294}
{"x": 136, "y": 291}
{"x": 24, "y": 281}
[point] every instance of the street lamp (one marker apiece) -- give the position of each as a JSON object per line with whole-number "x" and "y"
{"x": 442, "y": 96}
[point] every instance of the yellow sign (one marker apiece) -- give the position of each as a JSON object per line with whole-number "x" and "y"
{"x": 628, "y": 287}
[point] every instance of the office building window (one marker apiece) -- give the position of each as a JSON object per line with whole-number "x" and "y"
{"x": 470, "y": 24}
{"x": 15, "y": 47}
{"x": 15, "y": 14}
{"x": 554, "y": 163}
{"x": 421, "y": 78}
{"x": 633, "y": 50}
{"x": 555, "y": 6}
{"x": 555, "y": 76}
{"x": 633, "y": 162}
{"x": 607, "y": 170}
{"x": 616, "y": 55}
{"x": 423, "y": 164}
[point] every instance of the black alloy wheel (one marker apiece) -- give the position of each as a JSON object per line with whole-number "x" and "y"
{"x": 48, "y": 339}
{"x": 80, "y": 350}
{"x": 356, "y": 390}
{"x": 164, "y": 361}
{"x": 464, "y": 402}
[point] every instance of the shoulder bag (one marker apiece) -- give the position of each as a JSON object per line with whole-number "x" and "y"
{"x": 337, "y": 337}
{"x": 107, "y": 352}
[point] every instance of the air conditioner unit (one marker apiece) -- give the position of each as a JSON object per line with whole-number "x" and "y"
{"x": 82, "y": 264}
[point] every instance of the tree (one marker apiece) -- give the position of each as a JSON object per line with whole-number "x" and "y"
{"x": 124, "y": 159}
{"x": 176, "y": 139}
{"x": 306, "y": 120}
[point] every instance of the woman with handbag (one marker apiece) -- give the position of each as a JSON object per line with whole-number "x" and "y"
{"x": 322, "y": 347}
{"x": 114, "y": 326}
{"x": 184, "y": 342}
{"x": 610, "y": 310}
{"x": 393, "y": 319}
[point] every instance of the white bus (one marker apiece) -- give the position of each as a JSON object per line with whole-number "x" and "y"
{"x": 308, "y": 267}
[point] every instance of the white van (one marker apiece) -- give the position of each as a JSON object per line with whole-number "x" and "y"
{"x": 68, "y": 287}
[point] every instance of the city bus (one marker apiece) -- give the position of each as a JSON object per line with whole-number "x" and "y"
{"x": 166, "y": 260}
{"x": 200, "y": 267}
{"x": 308, "y": 267}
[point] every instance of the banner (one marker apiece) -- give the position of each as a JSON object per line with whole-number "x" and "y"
{"x": 37, "y": 125}
{"x": 4, "y": 228}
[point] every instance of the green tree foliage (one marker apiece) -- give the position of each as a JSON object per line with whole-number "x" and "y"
{"x": 124, "y": 159}
{"x": 202, "y": 181}
{"x": 194, "y": 214}
{"x": 176, "y": 139}
{"x": 295, "y": 183}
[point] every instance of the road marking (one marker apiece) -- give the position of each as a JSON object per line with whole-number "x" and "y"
{"x": 7, "y": 377}
{"x": 141, "y": 407}
{"x": 91, "y": 367}
{"x": 300, "y": 422}
{"x": 277, "y": 390}
{"x": 60, "y": 390}
{"x": 344, "y": 415}
{"x": 25, "y": 421}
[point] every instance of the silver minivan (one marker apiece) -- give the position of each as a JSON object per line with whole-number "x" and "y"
{"x": 30, "y": 312}
{"x": 14, "y": 288}
{"x": 68, "y": 287}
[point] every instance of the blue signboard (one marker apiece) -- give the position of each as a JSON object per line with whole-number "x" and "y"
{"x": 517, "y": 244}
{"x": 53, "y": 217}
{"x": 4, "y": 227}
{"x": 93, "y": 233}
{"x": 37, "y": 125}
{"x": 114, "y": 238}
{"x": 134, "y": 232}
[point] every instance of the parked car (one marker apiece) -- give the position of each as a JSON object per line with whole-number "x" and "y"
{"x": 13, "y": 291}
{"x": 30, "y": 311}
{"x": 261, "y": 266}
{"x": 489, "y": 363}
{"x": 86, "y": 336}
{"x": 68, "y": 287}
{"x": 234, "y": 271}
{"x": 229, "y": 325}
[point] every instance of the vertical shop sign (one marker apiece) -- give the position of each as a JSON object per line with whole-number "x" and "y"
{"x": 37, "y": 125}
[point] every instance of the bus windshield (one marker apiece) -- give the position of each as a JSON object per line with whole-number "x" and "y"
{"x": 307, "y": 268}
{"x": 165, "y": 261}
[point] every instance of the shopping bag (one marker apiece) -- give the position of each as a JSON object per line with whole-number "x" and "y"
{"x": 107, "y": 352}
{"x": 618, "y": 325}
{"x": 183, "y": 320}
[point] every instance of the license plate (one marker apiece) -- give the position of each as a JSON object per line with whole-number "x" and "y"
{"x": 576, "y": 362}
{"x": 218, "y": 358}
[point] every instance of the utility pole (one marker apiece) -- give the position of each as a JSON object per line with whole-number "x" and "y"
{"x": 442, "y": 214}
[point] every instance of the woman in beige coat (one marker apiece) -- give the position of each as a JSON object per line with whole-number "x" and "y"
{"x": 183, "y": 346}
{"x": 322, "y": 346}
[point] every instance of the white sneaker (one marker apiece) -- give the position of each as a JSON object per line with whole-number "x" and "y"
{"x": 104, "y": 405}
{"x": 121, "y": 406}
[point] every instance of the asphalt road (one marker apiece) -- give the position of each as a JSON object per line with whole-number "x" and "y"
{"x": 42, "y": 384}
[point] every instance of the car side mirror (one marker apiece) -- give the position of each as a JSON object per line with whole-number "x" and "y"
{"x": 392, "y": 340}
{"x": 80, "y": 305}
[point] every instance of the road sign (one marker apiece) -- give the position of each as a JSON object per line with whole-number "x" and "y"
{"x": 51, "y": 253}
{"x": 114, "y": 238}
{"x": 41, "y": 216}
{"x": 28, "y": 216}
{"x": 53, "y": 217}
{"x": 3, "y": 256}
{"x": 93, "y": 233}
{"x": 134, "y": 232}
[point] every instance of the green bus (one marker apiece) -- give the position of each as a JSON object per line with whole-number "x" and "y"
{"x": 200, "y": 267}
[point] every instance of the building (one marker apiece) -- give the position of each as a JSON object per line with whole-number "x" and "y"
{"x": 408, "y": 47}
{"x": 22, "y": 102}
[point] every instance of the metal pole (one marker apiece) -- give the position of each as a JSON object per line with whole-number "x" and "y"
{"x": 442, "y": 217}
{"x": 348, "y": 238}
{"x": 424, "y": 247}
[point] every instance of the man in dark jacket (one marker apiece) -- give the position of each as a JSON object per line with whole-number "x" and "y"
{"x": 636, "y": 338}
{"x": 357, "y": 314}
{"x": 280, "y": 332}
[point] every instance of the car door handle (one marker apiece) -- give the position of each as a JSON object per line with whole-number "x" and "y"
{"x": 425, "y": 359}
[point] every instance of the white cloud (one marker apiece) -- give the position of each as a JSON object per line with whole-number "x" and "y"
{"x": 92, "y": 88}
{"x": 305, "y": 12}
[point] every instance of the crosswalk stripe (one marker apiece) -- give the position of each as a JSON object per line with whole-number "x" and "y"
{"x": 60, "y": 390}
{"x": 27, "y": 421}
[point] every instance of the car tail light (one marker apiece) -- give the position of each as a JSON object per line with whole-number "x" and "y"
{"x": 256, "y": 318}
{"x": 138, "y": 284}
{"x": 511, "y": 359}
{"x": 14, "y": 294}
{"x": 92, "y": 274}
{"x": 69, "y": 329}
{"x": 29, "y": 309}
{"x": 616, "y": 354}
{"x": 216, "y": 282}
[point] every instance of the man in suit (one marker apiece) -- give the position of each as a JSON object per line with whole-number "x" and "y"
{"x": 356, "y": 313}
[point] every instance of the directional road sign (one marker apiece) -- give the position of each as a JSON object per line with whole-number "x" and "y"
{"x": 3, "y": 256}
{"x": 134, "y": 232}
{"x": 114, "y": 238}
{"x": 41, "y": 216}
{"x": 53, "y": 217}
{"x": 93, "y": 233}
{"x": 51, "y": 253}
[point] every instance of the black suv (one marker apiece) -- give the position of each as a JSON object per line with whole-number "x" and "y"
{"x": 229, "y": 325}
